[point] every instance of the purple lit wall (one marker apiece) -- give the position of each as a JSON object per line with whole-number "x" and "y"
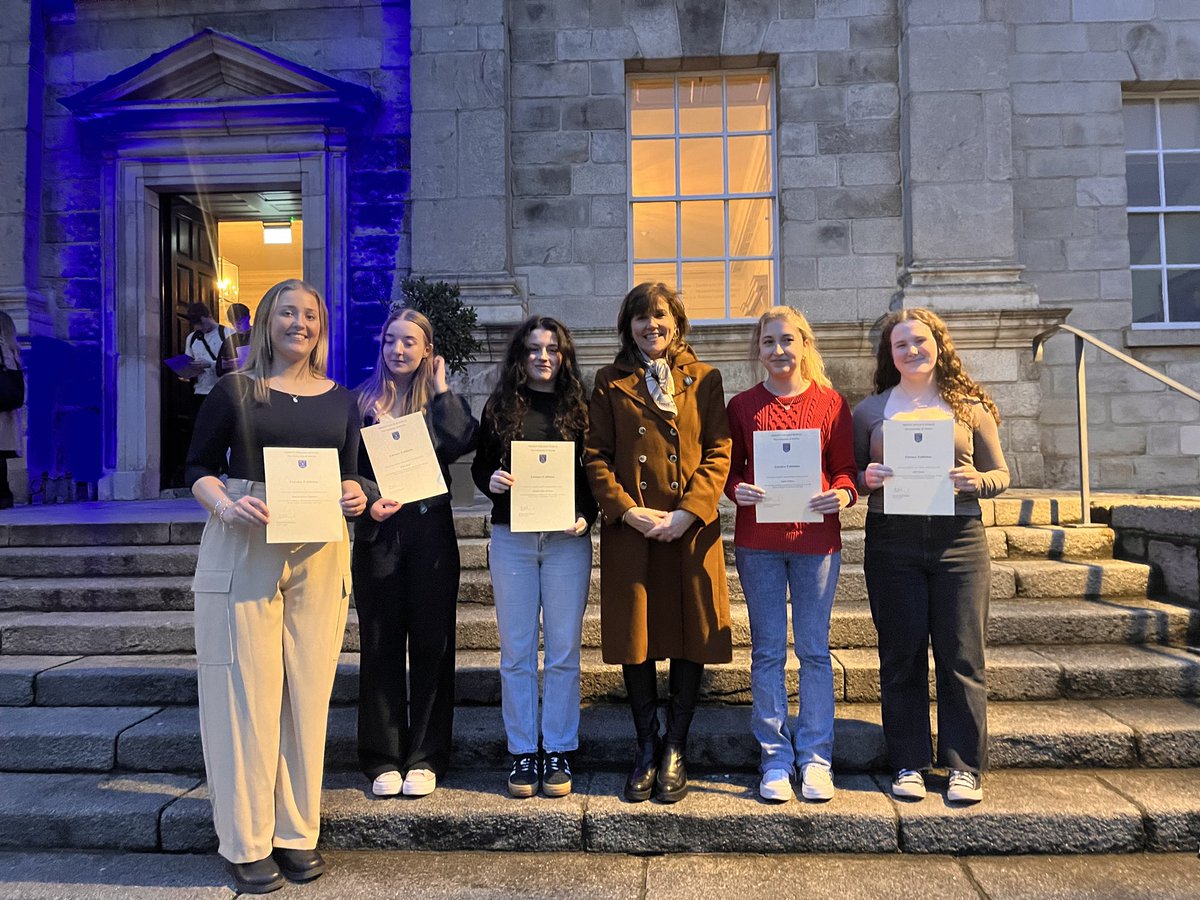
{"x": 90, "y": 41}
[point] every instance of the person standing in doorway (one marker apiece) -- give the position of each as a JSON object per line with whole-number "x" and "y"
{"x": 231, "y": 353}
{"x": 11, "y": 420}
{"x": 203, "y": 345}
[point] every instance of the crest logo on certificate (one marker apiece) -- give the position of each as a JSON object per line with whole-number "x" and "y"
{"x": 304, "y": 490}
{"x": 402, "y": 455}
{"x": 543, "y": 491}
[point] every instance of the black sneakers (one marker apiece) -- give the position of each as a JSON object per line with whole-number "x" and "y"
{"x": 556, "y": 775}
{"x": 523, "y": 778}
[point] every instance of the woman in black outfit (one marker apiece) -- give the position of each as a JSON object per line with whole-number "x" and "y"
{"x": 406, "y": 570}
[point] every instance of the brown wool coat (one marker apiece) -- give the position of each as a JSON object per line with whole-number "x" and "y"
{"x": 660, "y": 600}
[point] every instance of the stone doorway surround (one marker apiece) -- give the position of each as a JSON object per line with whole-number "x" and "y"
{"x": 210, "y": 114}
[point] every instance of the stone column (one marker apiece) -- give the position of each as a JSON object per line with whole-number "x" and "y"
{"x": 21, "y": 88}
{"x": 956, "y": 147}
{"x": 459, "y": 198}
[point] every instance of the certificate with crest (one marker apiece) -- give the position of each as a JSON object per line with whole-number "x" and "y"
{"x": 787, "y": 465}
{"x": 920, "y": 453}
{"x": 304, "y": 487}
{"x": 543, "y": 491}
{"x": 401, "y": 452}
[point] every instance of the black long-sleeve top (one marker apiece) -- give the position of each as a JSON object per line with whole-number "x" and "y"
{"x": 452, "y": 429}
{"x": 538, "y": 425}
{"x": 230, "y": 419}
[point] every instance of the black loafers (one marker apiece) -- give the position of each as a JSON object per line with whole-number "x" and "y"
{"x": 299, "y": 865}
{"x": 259, "y": 877}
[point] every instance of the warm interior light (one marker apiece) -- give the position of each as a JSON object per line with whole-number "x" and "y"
{"x": 277, "y": 232}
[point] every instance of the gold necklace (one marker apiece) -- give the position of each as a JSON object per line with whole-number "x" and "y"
{"x": 787, "y": 407}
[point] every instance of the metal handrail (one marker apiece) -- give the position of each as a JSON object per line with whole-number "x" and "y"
{"x": 1082, "y": 337}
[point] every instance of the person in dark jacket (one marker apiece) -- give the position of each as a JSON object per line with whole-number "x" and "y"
{"x": 406, "y": 570}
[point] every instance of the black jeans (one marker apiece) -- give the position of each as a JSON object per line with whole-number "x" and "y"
{"x": 928, "y": 581}
{"x": 406, "y": 593}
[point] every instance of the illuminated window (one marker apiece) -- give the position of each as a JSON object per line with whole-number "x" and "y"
{"x": 702, "y": 211}
{"x": 1162, "y": 176}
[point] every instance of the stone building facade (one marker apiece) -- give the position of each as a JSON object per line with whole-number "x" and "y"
{"x": 969, "y": 155}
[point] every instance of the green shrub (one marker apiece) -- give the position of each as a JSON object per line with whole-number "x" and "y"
{"x": 452, "y": 320}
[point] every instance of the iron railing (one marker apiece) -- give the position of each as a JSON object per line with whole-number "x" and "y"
{"x": 1081, "y": 338}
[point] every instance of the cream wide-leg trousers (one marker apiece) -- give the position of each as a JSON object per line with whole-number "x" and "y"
{"x": 269, "y": 625}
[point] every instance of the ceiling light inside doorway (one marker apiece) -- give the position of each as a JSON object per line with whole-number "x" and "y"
{"x": 277, "y": 232}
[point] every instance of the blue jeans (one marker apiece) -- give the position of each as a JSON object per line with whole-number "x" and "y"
{"x": 766, "y": 576}
{"x": 548, "y": 573}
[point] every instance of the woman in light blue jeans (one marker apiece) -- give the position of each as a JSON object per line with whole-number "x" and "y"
{"x": 775, "y": 558}
{"x": 538, "y": 397}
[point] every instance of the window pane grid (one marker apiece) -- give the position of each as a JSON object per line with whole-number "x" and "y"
{"x": 706, "y": 279}
{"x": 1166, "y": 293}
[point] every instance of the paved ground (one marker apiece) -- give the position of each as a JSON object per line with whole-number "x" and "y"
{"x": 532, "y": 876}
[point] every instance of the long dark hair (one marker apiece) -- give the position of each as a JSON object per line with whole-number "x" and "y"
{"x": 955, "y": 386}
{"x": 640, "y": 300}
{"x": 508, "y": 404}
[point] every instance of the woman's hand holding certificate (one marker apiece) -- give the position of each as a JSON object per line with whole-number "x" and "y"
{"x": 543, "y": 485}
{"x": 304, "y": 492}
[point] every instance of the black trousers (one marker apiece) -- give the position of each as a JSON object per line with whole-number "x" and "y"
{"x": 406, "y": 593}
{"x": 929, "y": 581}
{"x": 641, "y": 683}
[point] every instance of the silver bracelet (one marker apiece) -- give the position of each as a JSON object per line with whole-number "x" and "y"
{"x": 220, "y": 507}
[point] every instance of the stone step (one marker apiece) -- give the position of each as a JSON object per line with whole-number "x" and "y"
{"x": 1056, "y": 734}
{"x": 1023, "y": 812}
{"x": 1012, "y": 577}
{"x": 1035, "y": 672}
{"x": 1016, "y": 621}
{"x": 1041, "y": 541}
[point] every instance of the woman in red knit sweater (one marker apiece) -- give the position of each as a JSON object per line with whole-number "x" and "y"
{"x": 803, "y": 556}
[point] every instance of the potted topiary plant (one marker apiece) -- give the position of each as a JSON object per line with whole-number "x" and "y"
{"x": 452, "y": 319}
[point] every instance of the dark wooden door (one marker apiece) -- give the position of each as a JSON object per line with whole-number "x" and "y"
{"x": 189, "y": 276}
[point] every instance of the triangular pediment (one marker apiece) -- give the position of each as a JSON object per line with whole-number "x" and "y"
{"x": 211, "y": 71}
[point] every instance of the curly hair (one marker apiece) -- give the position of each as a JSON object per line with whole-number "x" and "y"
{"x": 507, "y": 405}
{"x": 955, "y": 386}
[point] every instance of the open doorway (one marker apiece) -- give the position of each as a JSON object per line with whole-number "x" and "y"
{"x": 221, "y": 252}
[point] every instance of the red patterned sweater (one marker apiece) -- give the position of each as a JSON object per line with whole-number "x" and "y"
{"x": 818, "y": 407}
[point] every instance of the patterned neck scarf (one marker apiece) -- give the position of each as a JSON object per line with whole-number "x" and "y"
{"x": 660, "y": 383}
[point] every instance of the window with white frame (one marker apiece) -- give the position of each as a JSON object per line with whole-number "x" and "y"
{"x": 702, "y": 208}
{"x": 1162, "y": 174}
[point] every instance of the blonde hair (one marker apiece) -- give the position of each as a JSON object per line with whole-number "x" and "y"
{"x": 812, "y": 367}
{"x": 261, "y": 354}
{"x": 378, "y": 394}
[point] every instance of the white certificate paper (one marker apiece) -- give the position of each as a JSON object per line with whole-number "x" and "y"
{"x": 787, "y": 465}
{"x": 920, "y": 453}
{"x": 304, "y": 487}
{"x": 401, "y": 452}
{"x": 543, "y": 491}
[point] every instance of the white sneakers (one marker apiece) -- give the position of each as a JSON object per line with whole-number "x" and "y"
{"x": 776, "y": 784}
{"x": 418, "y": 783}
{"x": 961, "y": 786}
{"x": 387, "y": 785}
{"x": 908, "y": 784}
{"x": 816, "y": 782}
{"x": 964, "y": 787}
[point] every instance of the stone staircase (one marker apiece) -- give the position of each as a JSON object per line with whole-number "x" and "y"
{"x": 1094, "y": 719}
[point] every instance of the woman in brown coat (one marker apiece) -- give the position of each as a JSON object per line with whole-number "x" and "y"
{"x": 657, "y": 457}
